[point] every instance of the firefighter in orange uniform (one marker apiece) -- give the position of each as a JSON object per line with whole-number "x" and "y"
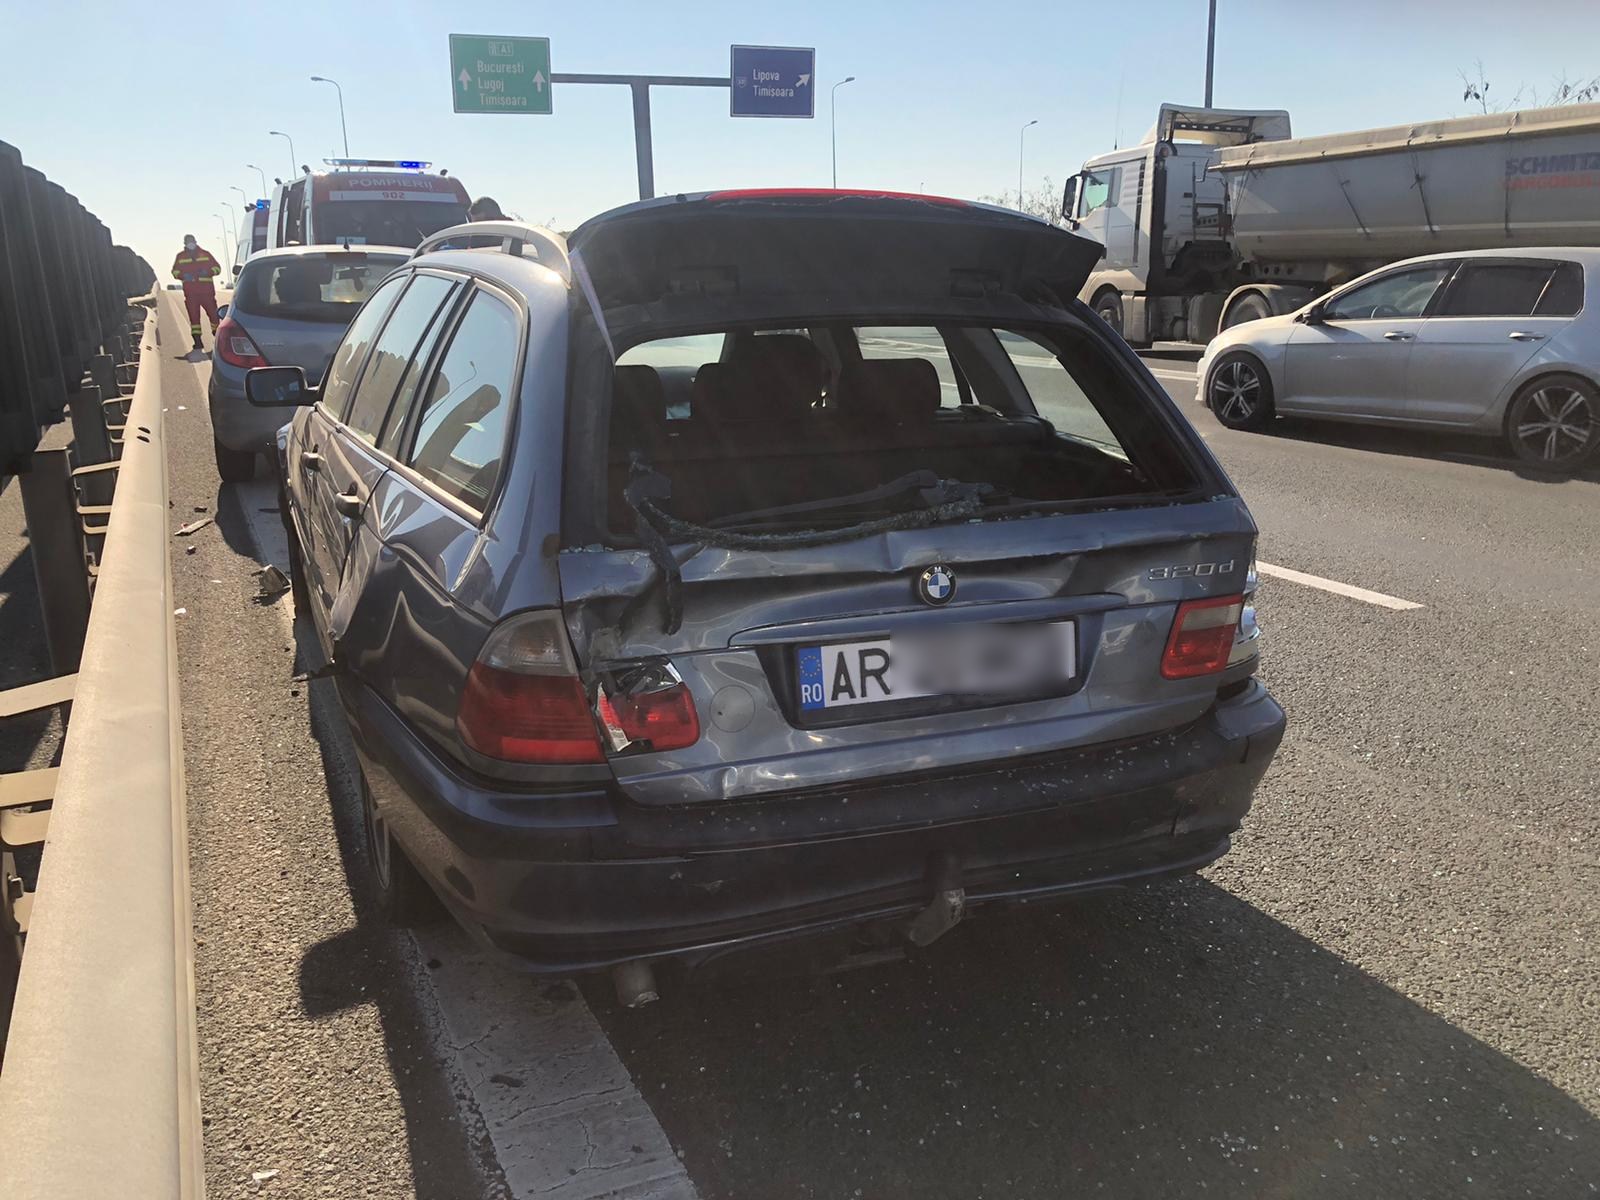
{"x": 196, "y": 268}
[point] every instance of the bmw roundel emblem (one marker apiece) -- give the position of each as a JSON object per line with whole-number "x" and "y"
{"x": 936, "y": 585}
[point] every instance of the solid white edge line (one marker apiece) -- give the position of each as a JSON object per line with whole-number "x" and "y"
{"x": 1337, "y": 588}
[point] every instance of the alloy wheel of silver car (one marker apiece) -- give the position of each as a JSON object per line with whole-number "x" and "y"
{"x": 1554, "y": 424}
{"x": 1240, "y": 396}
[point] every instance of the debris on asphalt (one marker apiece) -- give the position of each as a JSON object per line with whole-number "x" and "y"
{"x": 200, "y": 508}
{"x": 190, "y": 549}
{"x": 260, "y": 1177}
{"x": 273, "y": 581}
{"x": 193, "y": 526}
{"x": 178, "y": 612}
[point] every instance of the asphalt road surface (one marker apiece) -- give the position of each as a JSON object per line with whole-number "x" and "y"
{"x": 1389, "y": 988}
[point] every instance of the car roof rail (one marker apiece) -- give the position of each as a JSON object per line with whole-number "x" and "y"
{"x": 544, "y": 246}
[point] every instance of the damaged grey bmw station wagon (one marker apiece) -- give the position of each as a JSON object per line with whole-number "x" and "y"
{"x": 762, "y": 565}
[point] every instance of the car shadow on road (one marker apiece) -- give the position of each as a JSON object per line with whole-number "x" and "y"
{"x": 371, "y": 964}
{"x": 1407, "y": 443}
{"x": 1175, "y": 1041}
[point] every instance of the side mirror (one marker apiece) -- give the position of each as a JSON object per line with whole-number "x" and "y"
{"x": 1069, "y": 200}
{"x": 222, "y": 311}
{"x": 278, "y": 387}
{"x": 1313, "y": 316}
{"x": 237, "y": 267}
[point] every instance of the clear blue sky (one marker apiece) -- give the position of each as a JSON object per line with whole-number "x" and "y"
{"x": 149, "y": 112}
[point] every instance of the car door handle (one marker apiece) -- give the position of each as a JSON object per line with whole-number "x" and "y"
{"x": 1519, "y": 336}
{"x": 1394, "y": 335}
{"x": 310, "y": 460}
{"x": 348, "y": 504}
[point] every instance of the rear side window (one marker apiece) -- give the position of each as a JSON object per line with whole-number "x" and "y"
{"x": 461, "y": 433}
{"x": 352, "y": 352}
{"x": 1563, "y": 295}
{"x": 392, "y": 354}
{"x": 1496, "y": 289}
{"x": 1056, "y": 393}
{"x": 311, "y": 287}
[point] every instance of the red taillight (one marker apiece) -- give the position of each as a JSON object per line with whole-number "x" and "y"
{"x": 235, "y": 347}
{"x": 524, "y": 702}
{"x": 1202, "y": 637}
{"x": 527, "y": 718}
{"x": 663, "y": 719}
{"x": 828, "y": 194}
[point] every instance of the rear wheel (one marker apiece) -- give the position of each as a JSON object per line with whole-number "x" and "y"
{"x": 1108, "y": 307}
{"x": 1252, "y": 306}
{"x": 1239, "y": 392}
{"x": 1554, "y": 422}
{"x": 404, "y": 897}
{"x": 235, "y": 466}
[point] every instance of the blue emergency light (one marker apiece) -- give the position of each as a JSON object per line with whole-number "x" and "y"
{"x": 392, "y": 164}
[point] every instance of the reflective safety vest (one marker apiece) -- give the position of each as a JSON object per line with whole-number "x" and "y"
{"x": 195, "y": 266}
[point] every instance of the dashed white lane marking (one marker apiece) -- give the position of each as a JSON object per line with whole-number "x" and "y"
{"x": 1337, "y": 588}
{"x": 563, "y": 1114}
{"x": 1185, "y": 376}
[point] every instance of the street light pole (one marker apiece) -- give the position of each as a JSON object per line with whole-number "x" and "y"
{"x": 243, "y": 195}
{"x": 294, "y": 162}
{"x": 226, "y": 245}
{"x": 263, "y": 174}
{"x": 833, "y": 122}
{"x": 1211, "y": 48}
{"x": 1021, "y": 141}
{"x": 340, "y": 90}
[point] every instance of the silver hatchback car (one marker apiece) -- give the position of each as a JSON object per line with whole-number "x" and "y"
{"x": 1502, "y": 343}
{"x": 772, "y": 564}
{"x": 290, "y": 308}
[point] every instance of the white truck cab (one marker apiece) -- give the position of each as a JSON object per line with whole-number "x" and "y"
{"x": 383, "y": 202}
{"x": 1162, "y": 217}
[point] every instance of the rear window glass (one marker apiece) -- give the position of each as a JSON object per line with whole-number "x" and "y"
{"x": 311, "y": 287}
{"x": 834, "y": 426}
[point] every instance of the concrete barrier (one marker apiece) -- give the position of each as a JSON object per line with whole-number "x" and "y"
{"x": 99, "y": 1094}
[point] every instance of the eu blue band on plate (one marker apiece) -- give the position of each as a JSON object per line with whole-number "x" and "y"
{"x": 812, "y": 691}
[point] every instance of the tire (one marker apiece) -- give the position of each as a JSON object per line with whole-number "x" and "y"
{"x": 235, "y": 466}
{"x": 1252, "y": 306}
{"x": 1108, "y": 307}
{"x": 403, "y": 895}
{"x": 1239, "y": 392}
{"x": 1554, "y": 423}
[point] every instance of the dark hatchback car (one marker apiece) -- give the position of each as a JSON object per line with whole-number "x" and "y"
{"x": 767, "y": 564}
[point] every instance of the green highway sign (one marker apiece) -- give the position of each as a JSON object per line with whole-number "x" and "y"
{"x": 500, "y": 74}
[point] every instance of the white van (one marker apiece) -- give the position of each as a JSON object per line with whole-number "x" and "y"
{"x": 365, "y": 201}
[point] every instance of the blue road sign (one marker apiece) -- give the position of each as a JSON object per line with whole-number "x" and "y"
{"x": 773, "y": 81}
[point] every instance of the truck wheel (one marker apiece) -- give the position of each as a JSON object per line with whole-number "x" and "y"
{"x": 404, "y": 897}
{"x": 1554, "y": 422}
{"x": 235, "y": 466}
{"x": 1108, "y": 307}
{"x": 1239, "y": 392}
{"x": 1252, "y": 306}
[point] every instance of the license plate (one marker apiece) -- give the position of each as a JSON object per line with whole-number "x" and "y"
{"x": 976, "y": 660}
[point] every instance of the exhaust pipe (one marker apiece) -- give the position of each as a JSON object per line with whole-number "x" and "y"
{"x": 635, "y": 983}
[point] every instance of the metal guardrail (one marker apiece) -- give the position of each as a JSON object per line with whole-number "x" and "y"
{"x": 99, "y": 1093}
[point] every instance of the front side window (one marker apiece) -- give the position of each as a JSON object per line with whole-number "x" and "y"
{"x": 1401, "y": 295}
{"x": 1491, "y": 289}
{"x": 1100, "y": 188}
{"x": 352, "y": 352}
{"x": 461, "y": 433}
{"x": 393, "y": 353}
